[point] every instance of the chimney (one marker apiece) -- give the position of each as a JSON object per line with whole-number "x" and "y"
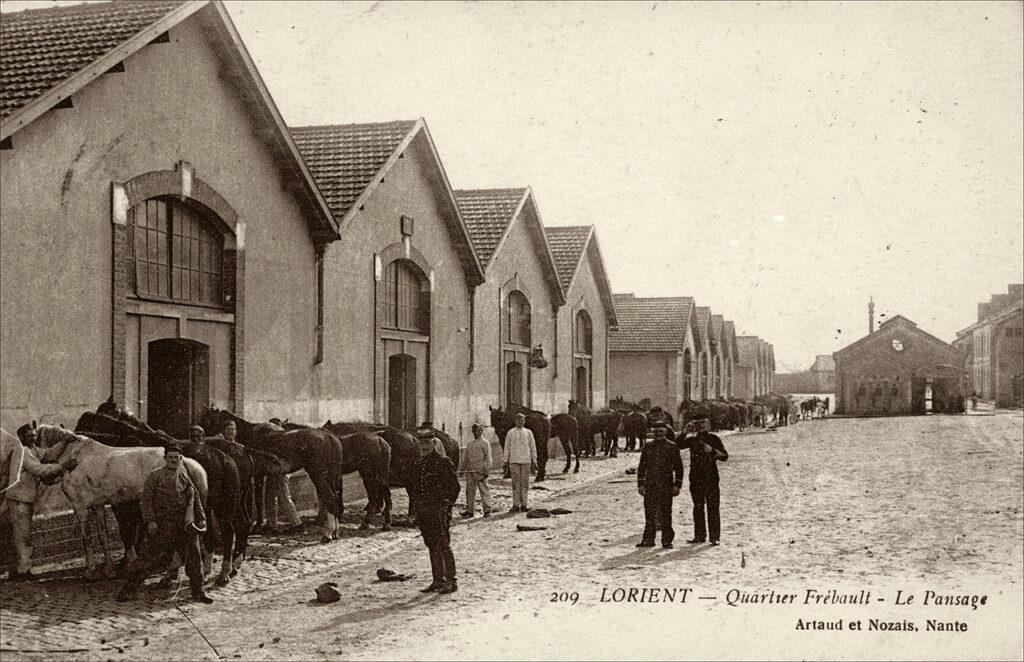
{"x": 982, "y": 311}
{"x": 871, "y": 315}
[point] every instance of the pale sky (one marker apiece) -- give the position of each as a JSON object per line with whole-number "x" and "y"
{"x": 778, "y": 162}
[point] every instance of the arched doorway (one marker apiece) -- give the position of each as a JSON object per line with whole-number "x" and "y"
{"x": 582, "y": 386}
{"x": 403, "y": 330}
{"x": 583, "y": 348}
{"x": 513, "y": 384}
{"x": 402, "y": 392}
{"x": 516, "y": 337}
{"x": 178, "y": 384}
{"x": 704, "y": 376}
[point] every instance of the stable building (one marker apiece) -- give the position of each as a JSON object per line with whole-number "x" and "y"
{"x": 730, "y": 352}
{"x": 397, "y": 289}
{"x": 705, "y": 376}
{"x": 159, "y": 230}
{"x": 899, "y": 369}
{"x": 515, "y": 312}
{"x": 755, "y": 369}
{"x": 581, "y": 350}
{"x": 994, "y": 347}
{"x": 653, "y": 352}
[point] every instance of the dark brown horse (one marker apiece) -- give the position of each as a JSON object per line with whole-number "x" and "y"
{"x": 537, "y": 422}
{"x": 369, "y": 455}
{"x": 606, "y": 423}
{"x": 582, "y": 415}
{"x": 634, "y": 427}
{"x": 404, "y": 454}
{"x": 567, "y": 430}
{"x": 314, "y": 450}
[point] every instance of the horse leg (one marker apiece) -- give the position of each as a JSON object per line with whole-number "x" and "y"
{"x": 327, "y": 494}
{"x": 385, "y": 492}
{"x": 108, "y": 563}
{"x": 568, "y": 454}
{"x": 372, "y": 497}
{"x": 227, "y": 537}
{"x": 576, "y": 452}
{"x": 83, "y": 521}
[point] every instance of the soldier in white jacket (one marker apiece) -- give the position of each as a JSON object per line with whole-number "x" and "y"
{"x": 520, "y": 457}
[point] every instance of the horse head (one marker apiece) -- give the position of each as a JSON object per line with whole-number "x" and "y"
{"x": 54, "y": 436}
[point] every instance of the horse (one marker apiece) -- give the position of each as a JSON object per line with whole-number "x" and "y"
{"x": 106, "y": 475}
{"x": 315, "y": 450}
{"x": 721, "y": 415}
{"x": 537, "y": 422}
{"x": 367, "y": 453}
{"x": 567, "y": 430}
{"x": 606, "y": 422}
{"x": 582, "y": 415}
{"x": 225, "y": 503}
{"x": 635, "y": 425}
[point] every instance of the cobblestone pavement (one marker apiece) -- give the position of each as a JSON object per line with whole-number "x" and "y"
{"x": 65, "y": 614}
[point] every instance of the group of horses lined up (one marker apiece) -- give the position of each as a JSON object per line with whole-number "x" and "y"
{"x": 115, "y": 451}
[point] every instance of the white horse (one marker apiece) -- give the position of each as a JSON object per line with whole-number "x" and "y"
{"x": 106, "y": 475}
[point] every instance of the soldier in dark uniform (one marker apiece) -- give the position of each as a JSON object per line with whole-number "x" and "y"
{"x": 435, "y": 488}
{"x": 706, "y": 450}
{"x": 174, "y": 515}
{"x": 659, "y": 479}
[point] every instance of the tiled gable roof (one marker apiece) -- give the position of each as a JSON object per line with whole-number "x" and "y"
{"x": 487, "y": 213}
{"x": 703, "y": 332}
{"x": 345, "y": 157}
{"x": 40, "y": 48}
{"x": 729, "y": 338}
{"x": 824, "y": 363}
{"x": 650, "y": 324}
{"x": 749, "y": 347}
{"x": 567, "y": 244}
{"x": 717, "y": 322}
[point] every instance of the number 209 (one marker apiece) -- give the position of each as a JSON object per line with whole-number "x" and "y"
{"x": 564, "y": 596}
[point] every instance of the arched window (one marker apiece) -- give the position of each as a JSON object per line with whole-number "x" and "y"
{"x": 404, "y": 305}
{"x": 517, "y": 319}
{"x": 584, "y": 333}
{"x": 174, "y": 253}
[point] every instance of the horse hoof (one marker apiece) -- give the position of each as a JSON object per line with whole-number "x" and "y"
{"x": 386, "y": 527}
{"x": 326, "y": 539}
{"x": 364, "y": 526}
{"x": 222, "y": 580}
{"x": 576, "y": 470}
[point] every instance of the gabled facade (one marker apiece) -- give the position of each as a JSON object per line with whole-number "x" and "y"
{"x": 755, "y": 368}
{"x": 704, "y": 386}
{"x": 730, "y": 353}
{"x": 653, "y": 350}
{"x": 184, "y": 268}
{"x": 581, "y": 351}
{"x": 515, "y": 310}
{"x": 899, "y": 369}
{"x": 718, "y": 369}
{"x": 994, "y": 348}
{"x": 398, "y": 286}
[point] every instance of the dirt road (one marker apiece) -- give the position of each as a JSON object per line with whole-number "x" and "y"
{"x": 867, "y": 508}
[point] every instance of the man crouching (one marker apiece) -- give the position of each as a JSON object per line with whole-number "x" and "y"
{"x": 435, "y": 488}
{"x": 174, "y": 516}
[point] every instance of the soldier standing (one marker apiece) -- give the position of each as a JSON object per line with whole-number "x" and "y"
{"x": 659, "y": 479}
{"x": 37, "y": 465}
{"x": 174, "y": 517}
{"x": 435, "y": 488}
{"x": 706, "y": 450}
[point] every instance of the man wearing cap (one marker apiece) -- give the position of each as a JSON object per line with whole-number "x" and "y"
{"x": 659, "y": 479}
{"x": 478, "y": 466}
{"x": 37, "y": 465}
{"x": 520, "y": 457}
{"x": 706, "y": 450}
{"x": 197, "y": 435}
{"x": 174, "y": 517}
{"x": 435, "y": 488}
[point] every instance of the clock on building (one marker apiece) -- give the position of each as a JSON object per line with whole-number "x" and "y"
{"x": 897, "y": 344}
